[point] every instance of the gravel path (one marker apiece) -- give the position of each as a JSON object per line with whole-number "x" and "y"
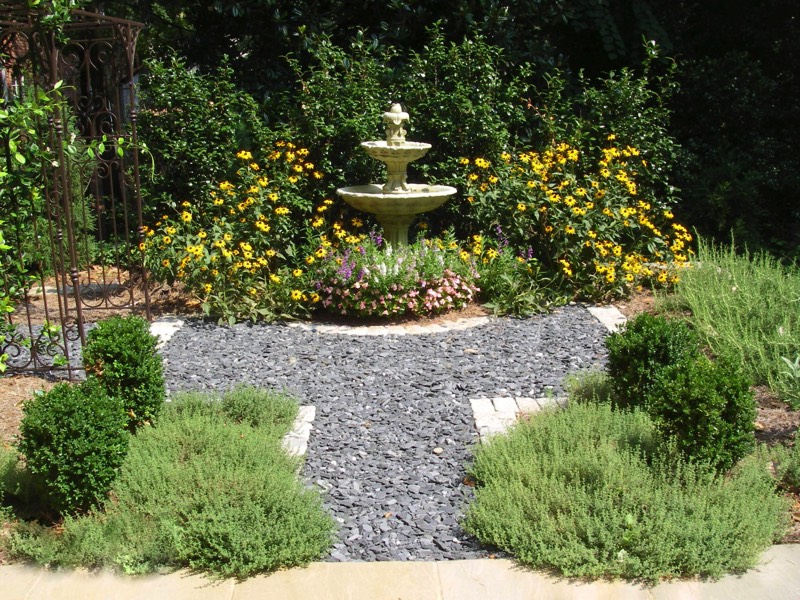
{"x": 394, "y": 427}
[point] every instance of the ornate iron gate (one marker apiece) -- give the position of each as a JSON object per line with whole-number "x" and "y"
{"x": 75, "y": 230}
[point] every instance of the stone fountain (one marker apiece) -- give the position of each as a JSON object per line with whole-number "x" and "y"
{"x": 396, "y": 203}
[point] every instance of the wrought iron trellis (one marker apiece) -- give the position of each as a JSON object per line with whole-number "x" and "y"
{"x": 89, "y": 212}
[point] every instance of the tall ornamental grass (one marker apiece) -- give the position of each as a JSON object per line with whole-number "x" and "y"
{"x": 593, "y": 492}
{"x": 747, "y": 307}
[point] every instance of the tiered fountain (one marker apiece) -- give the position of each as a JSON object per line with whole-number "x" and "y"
{"x": 396, "y": 203}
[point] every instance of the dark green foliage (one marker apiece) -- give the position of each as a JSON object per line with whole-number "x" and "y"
{"x": 193, "y": 124}
{"x": 464, "y": 98}
{"x": 741, "y": 163}
{"x": 633, "y": 104}
{"x": 74, "y": 441}
{"x": 121, "y": 354}
{"x": 512, "y": 287}
{"x": 707, "y": 408}
{"x": 636, "y": 355}
{"x": 593, "y": 492}
{"x": 340, "y": 96}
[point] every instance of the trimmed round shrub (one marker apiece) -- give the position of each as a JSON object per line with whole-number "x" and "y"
{"x": 121, "y": 354}
{"x": 636, "y": 355}
{"x": 74, "y": 441}
{"x": 708, "y": 408}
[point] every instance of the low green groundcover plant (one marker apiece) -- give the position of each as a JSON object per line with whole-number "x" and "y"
{"x": 208, "y": 487}
{"x": 589, "y": 491}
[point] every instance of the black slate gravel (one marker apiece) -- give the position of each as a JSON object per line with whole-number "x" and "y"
{"x": 384, "y": 404}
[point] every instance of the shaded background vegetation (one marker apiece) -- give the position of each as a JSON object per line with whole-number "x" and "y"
{"x": 734, "y": 108}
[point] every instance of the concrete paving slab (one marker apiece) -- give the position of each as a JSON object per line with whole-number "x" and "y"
{"x": 17, "y": 581}
{"x": 776, "y": 578}
{"x": 164, "y": 328}
{"x": 346, "y": 581}
{"x": 81, "y": 585}
{"x": 493, "y": 579}
{"x": 609, "y": 317}
{"x": 505, "y": 405}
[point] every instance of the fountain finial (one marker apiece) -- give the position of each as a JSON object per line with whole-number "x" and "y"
{"x": 394, "y": 119}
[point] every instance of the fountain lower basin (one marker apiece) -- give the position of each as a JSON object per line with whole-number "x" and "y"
{"x": 395, "y": 211}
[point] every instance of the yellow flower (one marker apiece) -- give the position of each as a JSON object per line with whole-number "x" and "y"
{"x": 463, "y": 161}
{"x": 244, "y": 155}
{"x": 570, "y": 230}
{"x": 320, "y": 253}
{"x": 521, "y": 207}
{"x": 297, "y": 295}
{"x": 611, "y": 136}
{"x": 297, "y": 272}
{"x": 292, "y": 179}
{"x": 254, "y": 166}
{"x": 281, "y": 210}
{"x": 225, "y": 185}
{"x": 165, "y": 263}
{"x": 167, "y": 240}
{"x": 472, "y": 177}
{"x": 310, "y": 259}
{"x": 274, "y": 278}
{"x": 186, "y": 216}
{"x": 207, "y": 288}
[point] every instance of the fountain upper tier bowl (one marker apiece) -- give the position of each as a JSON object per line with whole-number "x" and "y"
{"x": 405, "y": 152}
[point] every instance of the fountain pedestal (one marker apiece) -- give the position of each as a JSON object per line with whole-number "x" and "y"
{"x": 396, "y": 203}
